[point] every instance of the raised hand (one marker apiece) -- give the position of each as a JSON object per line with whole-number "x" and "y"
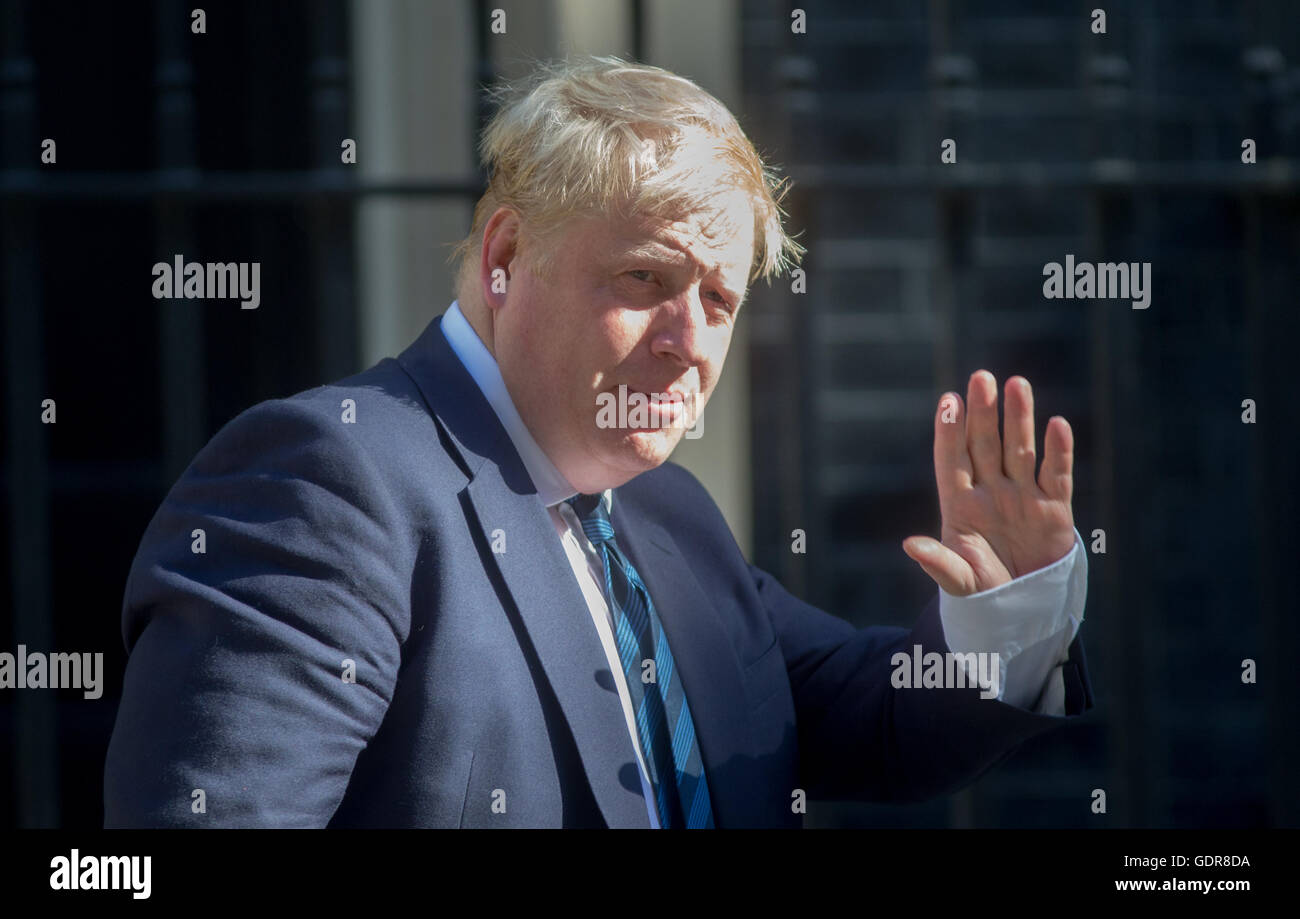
{"x": 999, "y": 521}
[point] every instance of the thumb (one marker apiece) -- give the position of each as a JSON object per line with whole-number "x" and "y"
{"x": 948, "y": 569}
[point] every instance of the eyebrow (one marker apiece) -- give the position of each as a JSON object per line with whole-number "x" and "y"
{"x": 655, "y": 250}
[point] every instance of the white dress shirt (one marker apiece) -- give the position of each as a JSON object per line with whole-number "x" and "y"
{"x": 1029, "y": 621}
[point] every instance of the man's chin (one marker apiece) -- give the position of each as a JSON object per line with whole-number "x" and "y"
{"x": 616, "y": 457}
{"x": 645, "y": 448}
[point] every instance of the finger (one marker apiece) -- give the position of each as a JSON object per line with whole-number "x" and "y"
{"x": 948, "y": 569}
{"x": 1018, "y": 457}
{"x": 982, "y": 426}
{"x": 952, "y": 469}
{"x": 1056, "y": 478}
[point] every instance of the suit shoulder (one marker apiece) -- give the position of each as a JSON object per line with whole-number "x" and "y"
{"x": 384, "y": 392}
{"x": 378, "y": 413}
{"x": 309, "y": 475}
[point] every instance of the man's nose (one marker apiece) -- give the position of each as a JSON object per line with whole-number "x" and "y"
{"x": 679, "y": 328}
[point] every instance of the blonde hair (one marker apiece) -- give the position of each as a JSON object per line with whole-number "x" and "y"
{"x": 602, "y": 136}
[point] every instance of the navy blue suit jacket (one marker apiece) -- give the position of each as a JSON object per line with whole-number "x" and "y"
{"x": 479, "y": 678}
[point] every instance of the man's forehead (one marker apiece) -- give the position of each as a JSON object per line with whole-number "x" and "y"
{"x": 684, "y": 240}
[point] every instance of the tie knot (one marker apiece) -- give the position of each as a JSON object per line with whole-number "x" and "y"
{"x": 595, "y": 519}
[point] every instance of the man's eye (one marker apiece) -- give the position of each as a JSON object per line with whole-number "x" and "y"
{"x": 722, "y": 301}
{"x": 644, "y": 271}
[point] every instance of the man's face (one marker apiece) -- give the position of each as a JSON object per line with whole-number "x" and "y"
{"x": 646, "y": 303}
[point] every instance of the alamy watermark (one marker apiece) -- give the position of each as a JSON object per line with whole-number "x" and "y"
{"x": 949, "y": 670}
{"x": 103, "y": 872}
{"x": 204, "y": 280}
{"x": 1100, "y": 281}
{"x": 36, "y": 670}
{"x": 653, "y": 410}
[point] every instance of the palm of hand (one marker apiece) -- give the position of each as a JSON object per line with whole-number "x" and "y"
{"x": 1000, "y": 521}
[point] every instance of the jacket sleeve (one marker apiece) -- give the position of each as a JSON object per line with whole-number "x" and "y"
{"x": 263, "y": 617}
{"x": 862, "y": 738}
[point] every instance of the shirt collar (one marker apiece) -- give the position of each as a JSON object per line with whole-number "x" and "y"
{"x": 552, "y": 487}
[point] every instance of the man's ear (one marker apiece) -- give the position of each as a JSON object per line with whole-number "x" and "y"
{"x": 500, "y": 244}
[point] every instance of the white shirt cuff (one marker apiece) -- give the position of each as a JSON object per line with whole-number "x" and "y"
{"x": 1029, "y": 622}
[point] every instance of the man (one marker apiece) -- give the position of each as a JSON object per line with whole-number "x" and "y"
{"x": 448, "y": 592}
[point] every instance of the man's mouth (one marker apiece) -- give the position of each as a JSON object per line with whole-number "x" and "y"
{"x": 666, "y": 410}
{"x": 659, "y": 409}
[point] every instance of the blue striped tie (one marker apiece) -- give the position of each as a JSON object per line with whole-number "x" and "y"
{"x": 658, "y": 698}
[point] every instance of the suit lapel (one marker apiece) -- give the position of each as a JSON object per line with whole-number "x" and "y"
{"x": 536, "y": 573}
{"x": 705, "y": 659}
